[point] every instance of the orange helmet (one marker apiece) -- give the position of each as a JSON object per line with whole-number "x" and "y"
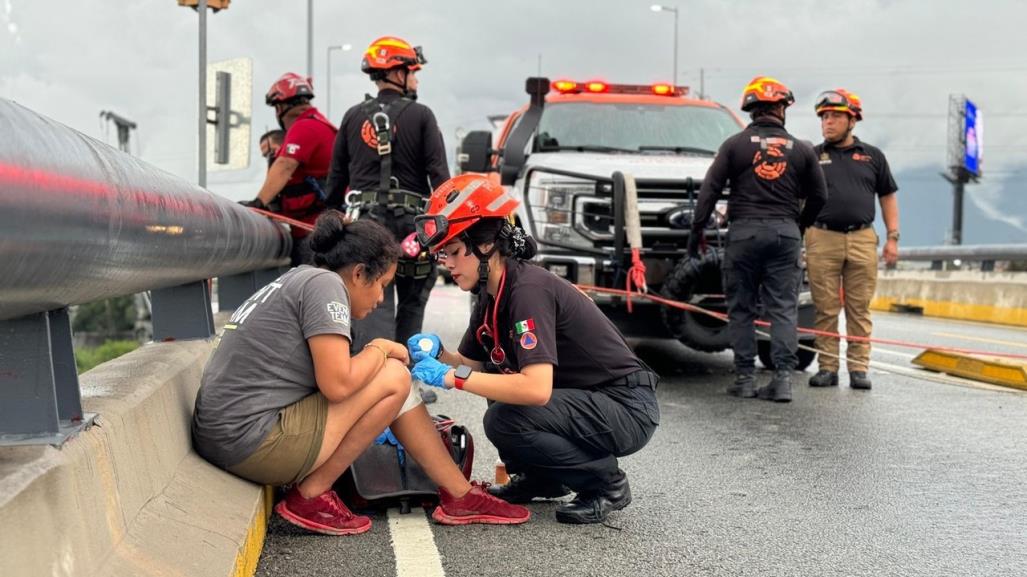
{"x": 765, "y": 89}
{"x": 390, "y": 52}
{"x": 457, "y": 204}
{"x": 840, "y": 100}
{"x": 289, "y": 86}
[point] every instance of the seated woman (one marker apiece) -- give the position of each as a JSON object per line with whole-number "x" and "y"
{"x": 569, "y": 394}
{"x": 283, "y": 402}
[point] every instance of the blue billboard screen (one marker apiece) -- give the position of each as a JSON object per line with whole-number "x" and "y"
{"x": 973, "y": 137}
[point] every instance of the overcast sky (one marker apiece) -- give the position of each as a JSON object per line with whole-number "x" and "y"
{"x": 70, "y": 59}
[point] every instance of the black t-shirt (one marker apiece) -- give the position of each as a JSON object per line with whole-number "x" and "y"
{"x": 418, "y": 153}
{"x": 856, "y": 175}
{"x": 764, "y": 183}
{"x": 544, "y": 319}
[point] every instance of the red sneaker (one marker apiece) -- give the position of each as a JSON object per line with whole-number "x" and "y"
{"x": 477, "y": 506}
{"x": 325, "y": 514}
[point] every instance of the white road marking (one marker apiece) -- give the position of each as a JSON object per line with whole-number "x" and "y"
{"x": 414, "y": 545}
{"x": 983, "y": 340}
{"x": 891, "y": 352}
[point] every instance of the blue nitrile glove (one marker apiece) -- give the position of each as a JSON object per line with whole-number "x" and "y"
{"x": 388, "y": 438}
{"x": 425, "y": 343}
{"x": 430, "y": 371}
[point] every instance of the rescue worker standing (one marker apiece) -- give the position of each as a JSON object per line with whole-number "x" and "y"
{"x": 295, "y": 182}
{"x": 390, "y": 154}
{"x": 841, "y": 248}
{"x": 567, "y": 395}
{"x": 770, "y": 172}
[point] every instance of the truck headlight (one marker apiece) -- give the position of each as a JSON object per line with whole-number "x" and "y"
{"x": 551, "y": 197}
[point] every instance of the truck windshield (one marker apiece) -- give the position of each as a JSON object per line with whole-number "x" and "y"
{"x": 633, "y": 127}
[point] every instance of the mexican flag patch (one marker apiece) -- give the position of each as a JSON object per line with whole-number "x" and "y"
{"x": 524, "y": 326}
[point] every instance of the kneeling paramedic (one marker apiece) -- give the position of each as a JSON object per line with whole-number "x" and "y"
{"x": 390, "y": 153}
{"x": 568, "y": 396}
{"x": 295, "y": 182}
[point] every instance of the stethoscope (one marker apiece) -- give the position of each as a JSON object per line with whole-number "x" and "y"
{"x": 497, "y": 355}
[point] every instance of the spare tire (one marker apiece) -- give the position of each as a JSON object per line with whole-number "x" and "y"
{"x": 690, "y": 278}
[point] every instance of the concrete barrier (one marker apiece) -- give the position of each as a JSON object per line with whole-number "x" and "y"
{"x": 129, "y": 497}
{"x": 989, "y": 297}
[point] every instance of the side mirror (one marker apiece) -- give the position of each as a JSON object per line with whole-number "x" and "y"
{"x": 476, "y": 152}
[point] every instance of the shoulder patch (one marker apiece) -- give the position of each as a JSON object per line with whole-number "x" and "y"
{"x": 338, "y": 312}
{"x": 529, "y": 341}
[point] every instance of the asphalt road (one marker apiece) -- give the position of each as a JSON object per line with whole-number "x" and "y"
{"x": 916, "y": 477}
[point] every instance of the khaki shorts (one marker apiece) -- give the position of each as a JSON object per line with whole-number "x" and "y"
{"x": 288, "y": 453}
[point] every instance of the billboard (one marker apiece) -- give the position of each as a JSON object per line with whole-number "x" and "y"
{"x": 973, "y": 138}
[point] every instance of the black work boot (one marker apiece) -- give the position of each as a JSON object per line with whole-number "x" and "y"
{"x": 744, "y": 386}
{"x": 523, "y": 488}
{"x": 824, "y": 378}
{"x": 596, "y": 506}
{"x": 859, "y": 380}
{"x": 780, "y": 388}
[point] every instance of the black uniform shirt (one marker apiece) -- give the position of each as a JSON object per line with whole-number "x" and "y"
{"x": 856, "y": 175}
{"x": 544, "y": 319}
{"x": 418, "y": 153}
{"x": 760, "y": 187}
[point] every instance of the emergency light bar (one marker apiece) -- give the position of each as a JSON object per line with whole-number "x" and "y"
{"x": 599, "y": 87}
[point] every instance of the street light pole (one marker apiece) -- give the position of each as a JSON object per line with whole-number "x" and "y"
{"x": 201, "y": 8}
{"x": 328, "y": 76}
{"x": 674, "y": 10}
{"x": 310, "y": 39}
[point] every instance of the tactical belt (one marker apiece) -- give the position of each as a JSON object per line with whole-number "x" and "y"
{"x": 639, "y": 378}
{"x": 415, "y": 269}
{"x": 394, "y": 198}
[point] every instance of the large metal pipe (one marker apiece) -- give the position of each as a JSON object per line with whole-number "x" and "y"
{"x": 81, "y": 221}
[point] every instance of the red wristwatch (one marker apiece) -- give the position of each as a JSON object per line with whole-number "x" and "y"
{"x": 460, "y": 376}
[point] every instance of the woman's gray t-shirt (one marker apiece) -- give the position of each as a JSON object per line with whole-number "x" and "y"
{"x": 262, "y": 364}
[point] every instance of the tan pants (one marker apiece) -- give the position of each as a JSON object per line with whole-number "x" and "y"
{"x": 849, "y": 261}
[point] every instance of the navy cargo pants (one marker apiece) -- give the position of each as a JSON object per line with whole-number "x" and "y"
{"x": 761, "y": 262}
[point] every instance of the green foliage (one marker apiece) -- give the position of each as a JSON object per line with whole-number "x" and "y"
{"x": 88, "y": 357}
{"x": 108, "y": 317}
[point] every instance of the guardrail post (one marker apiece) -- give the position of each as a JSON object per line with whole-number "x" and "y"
{"x": 40, "y": 402}
{"x": 182, "y": 312}
{"x": 233, "y": 290}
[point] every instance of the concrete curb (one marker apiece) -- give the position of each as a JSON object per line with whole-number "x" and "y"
{"x": 129, "y": 496}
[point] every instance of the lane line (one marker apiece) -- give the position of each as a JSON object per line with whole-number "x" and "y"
{"x": 895, "y": 353}
{"x": 414, "y": 545}
{"x": 983, "y": 340}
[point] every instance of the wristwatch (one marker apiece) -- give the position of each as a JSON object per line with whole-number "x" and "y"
{"x": 460, "y": 376}
{"x": 893, "y": 235}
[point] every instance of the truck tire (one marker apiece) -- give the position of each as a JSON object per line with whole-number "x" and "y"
{"x": 805, "y": 358}
{"x": 692, "y": 277}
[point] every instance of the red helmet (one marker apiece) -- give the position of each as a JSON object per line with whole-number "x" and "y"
{"x": 457, "y": 204}
{"x": 390, "y": 52}
{"x": 289, "y": 86}
{"x": 765, "y": 89}
{"x": 840, "y": 100}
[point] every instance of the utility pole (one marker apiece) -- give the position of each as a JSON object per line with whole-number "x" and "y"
{"x": 702, "y": 84}
{"x": 674, "y": 10}
{"x": 202, "y": 116}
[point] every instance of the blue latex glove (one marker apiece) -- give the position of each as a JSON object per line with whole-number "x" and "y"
{"x": 430, "y": 371}
{"x": 390, "y": 439}
{"x": 425, "y": 343}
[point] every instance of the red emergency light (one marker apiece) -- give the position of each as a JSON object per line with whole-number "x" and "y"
{"x": 600, "y": 87}
{"x": 565, "y": 86}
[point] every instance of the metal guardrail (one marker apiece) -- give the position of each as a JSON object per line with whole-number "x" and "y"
{"x": 81, "y": 221}
{"x": 986, "y": 254}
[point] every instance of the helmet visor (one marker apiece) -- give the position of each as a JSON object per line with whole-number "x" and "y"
{"x": 421, "y": 60}
{"x": 832, "y": 98}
